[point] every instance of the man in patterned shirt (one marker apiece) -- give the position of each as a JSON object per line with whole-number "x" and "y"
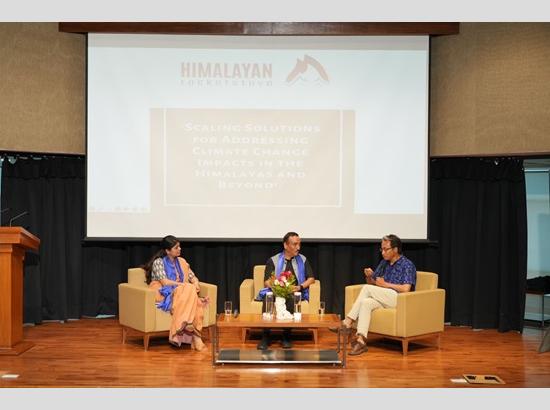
{"x": 394, "y": 274}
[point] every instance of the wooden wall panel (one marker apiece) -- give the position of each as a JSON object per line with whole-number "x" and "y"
{"x": 490, "y": 84}
{"x": 490, "y": 90}
{"x": 42, "y": 89}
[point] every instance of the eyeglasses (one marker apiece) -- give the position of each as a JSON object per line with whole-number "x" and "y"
{"x": 385, "y": 249}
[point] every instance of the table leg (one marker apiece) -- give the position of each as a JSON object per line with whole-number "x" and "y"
{"x": 346, "y": 332}
{"x": 214, "y": 344}
{"x": 543, "y": 321}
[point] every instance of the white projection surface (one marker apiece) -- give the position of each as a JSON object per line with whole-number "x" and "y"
{"x": 228, "y": 137}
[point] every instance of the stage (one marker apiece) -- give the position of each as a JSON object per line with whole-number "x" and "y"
{"x": 89, "y": 353}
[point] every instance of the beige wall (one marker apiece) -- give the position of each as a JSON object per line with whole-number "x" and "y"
{"x": 490, "y": 90}
{"x": 42, "y": 89}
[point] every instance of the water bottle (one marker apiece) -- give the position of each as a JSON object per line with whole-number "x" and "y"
{"x": 297, "y": 306}
{"x": 269, "y": 305}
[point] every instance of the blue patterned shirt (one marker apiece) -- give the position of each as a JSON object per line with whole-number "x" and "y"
{"x": 401, "y": 272}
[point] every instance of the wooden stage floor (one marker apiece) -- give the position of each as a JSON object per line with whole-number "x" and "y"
{"x": 89, "y": 353}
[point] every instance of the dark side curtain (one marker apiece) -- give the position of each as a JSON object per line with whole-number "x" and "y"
{"x": 478, "y": 214}
{"x": 477, "y": 219}
{"x": 52, "y": 191}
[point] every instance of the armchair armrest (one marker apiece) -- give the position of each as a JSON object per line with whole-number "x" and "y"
{"x": 314, "y": 296}
{"x": 211, "y": 291}
{"x": 246, "y": 296}
{"x": 420, "y": 312}
{"x": 351, "y": 293}
{"x": 136, "y": 307}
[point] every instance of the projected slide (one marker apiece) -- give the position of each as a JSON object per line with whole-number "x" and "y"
{"x": 251, "y": 157}
{"x": 249, "y": 137}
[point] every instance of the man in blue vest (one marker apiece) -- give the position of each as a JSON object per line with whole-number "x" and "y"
{"x": 291, "y": 260}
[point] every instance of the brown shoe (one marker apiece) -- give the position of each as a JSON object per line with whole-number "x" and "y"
{"x": 343, "y": 327}
{"x": 358, "y": 348}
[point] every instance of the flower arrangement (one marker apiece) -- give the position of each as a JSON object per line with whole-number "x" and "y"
{"x": 283, "y": 287}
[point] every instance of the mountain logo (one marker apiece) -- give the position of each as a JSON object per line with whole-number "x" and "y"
{"x": 307, "y": 70}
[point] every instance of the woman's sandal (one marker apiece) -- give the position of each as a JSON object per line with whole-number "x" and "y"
{"x": 186, "y": 328}
{"x": 194, "y": 346}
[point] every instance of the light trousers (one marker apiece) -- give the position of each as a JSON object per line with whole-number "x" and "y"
{"x": 370, "y": 298}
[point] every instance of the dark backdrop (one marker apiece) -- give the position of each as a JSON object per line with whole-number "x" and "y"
{"x": 477, "y": 224}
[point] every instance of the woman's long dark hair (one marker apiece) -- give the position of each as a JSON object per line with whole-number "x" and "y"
{"x": 167, "y": 243}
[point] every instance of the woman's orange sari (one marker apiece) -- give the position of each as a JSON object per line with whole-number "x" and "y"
{"x": 187, "y": 308}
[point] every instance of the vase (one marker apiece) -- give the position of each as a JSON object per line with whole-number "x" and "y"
{"x": 280, "y": 308}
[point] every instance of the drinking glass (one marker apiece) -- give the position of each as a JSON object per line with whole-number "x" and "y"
{"x": 268, "y": 313}
{"x": 228, "y": 307}
{"x": 297, "y": 306}
{"x": 321, "y": 308}
{"x": 297, "y": 301}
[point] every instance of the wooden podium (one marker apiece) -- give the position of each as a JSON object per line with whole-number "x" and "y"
{"x": 14, "y": 241}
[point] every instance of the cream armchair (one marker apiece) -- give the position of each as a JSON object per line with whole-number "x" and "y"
{"x": 250, "y": 288}
{"x": 418, "y": 314}
{"x": 137, "y": 312}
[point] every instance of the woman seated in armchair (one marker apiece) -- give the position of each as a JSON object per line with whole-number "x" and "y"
{"x": 177, "y": 292}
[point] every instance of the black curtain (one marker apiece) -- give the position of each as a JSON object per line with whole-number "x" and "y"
{"x": 52, "y": 191}
{"x": 478, "y": 214}
{"x": 477, "y": 219}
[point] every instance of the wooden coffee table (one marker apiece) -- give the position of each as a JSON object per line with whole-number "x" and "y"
{"x": 290, "y": 356}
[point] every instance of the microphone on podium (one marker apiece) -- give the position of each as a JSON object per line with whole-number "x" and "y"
{"x": 18, "y": 216}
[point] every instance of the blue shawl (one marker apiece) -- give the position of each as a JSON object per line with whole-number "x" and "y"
{"x": 172, "y": 273}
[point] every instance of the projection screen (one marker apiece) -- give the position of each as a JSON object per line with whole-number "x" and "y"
{"x": 246, "y": 138}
